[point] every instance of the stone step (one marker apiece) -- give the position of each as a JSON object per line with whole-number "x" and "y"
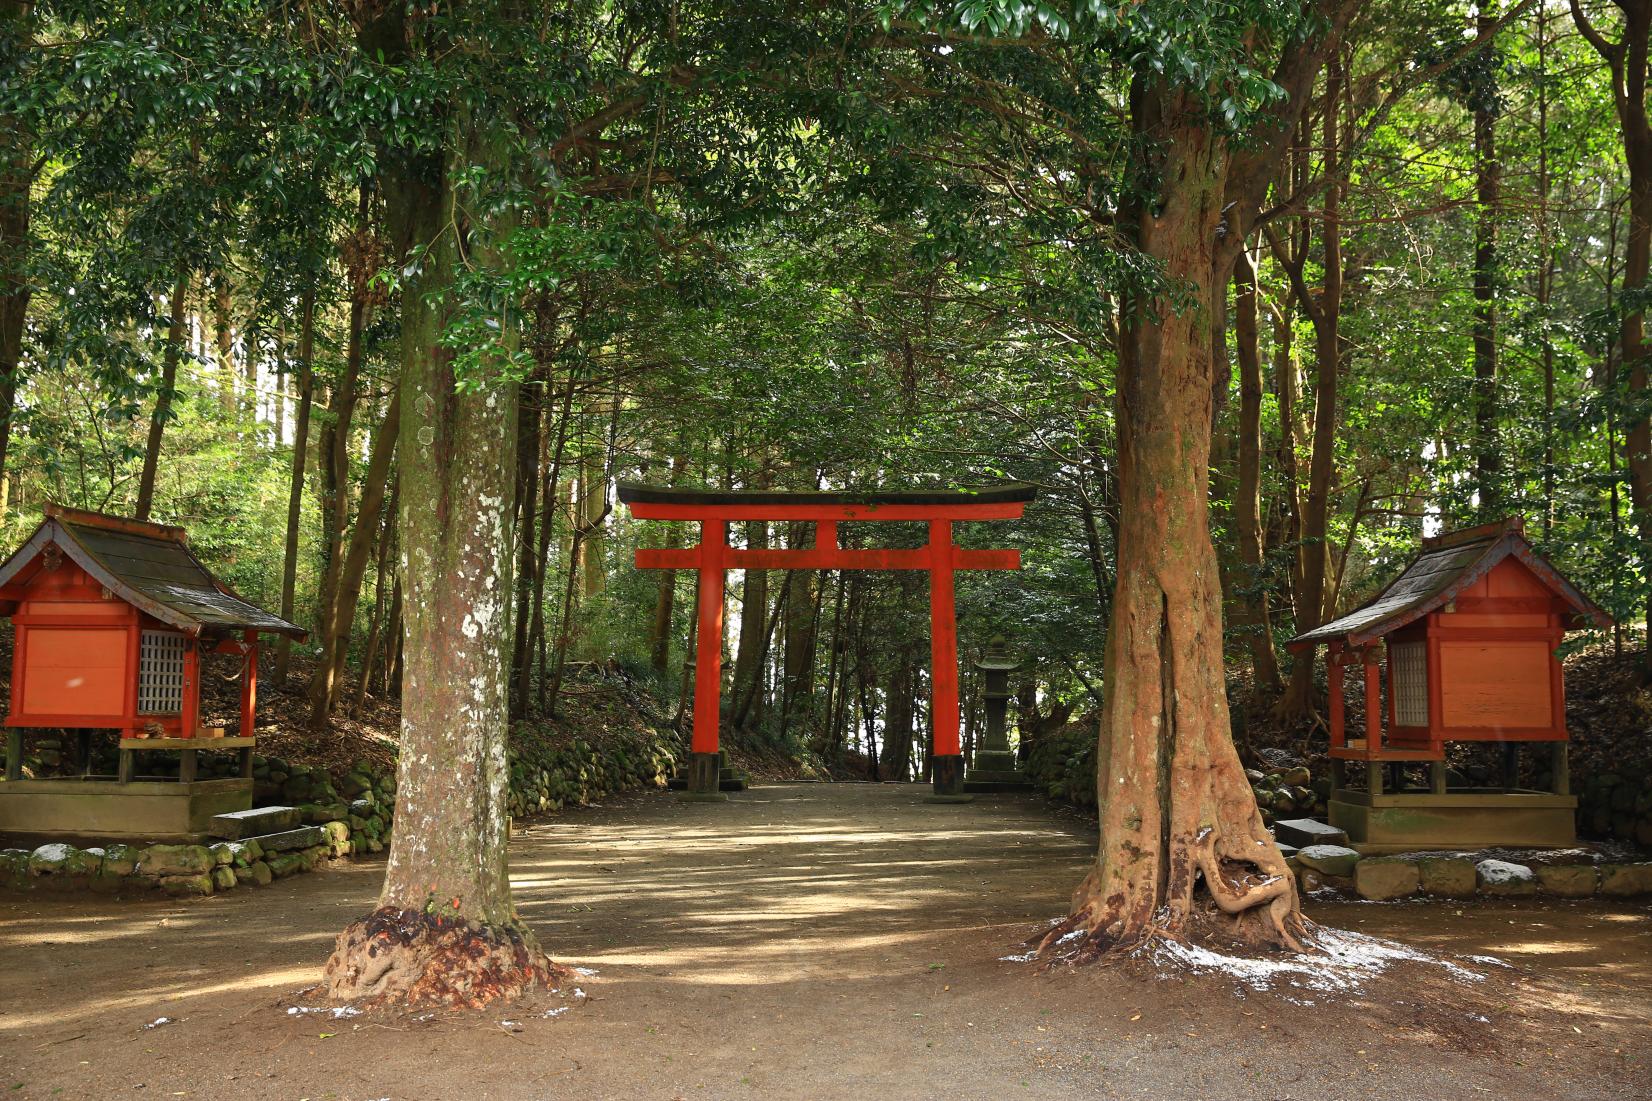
{"x": 987, "y": 780}
{"x": 237, "y": 825}
{"x": 287, "y": 840}
{"x": 1303, "y": 832}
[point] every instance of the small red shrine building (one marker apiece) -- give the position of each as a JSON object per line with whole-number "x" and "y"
{"x": 112, "y": 618}
{"x": 1460, "y": 647}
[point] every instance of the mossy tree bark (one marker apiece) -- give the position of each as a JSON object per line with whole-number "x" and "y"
{"x": 445, "y": 930}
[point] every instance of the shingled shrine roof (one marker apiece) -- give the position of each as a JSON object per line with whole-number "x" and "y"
{"x": 150, "y": 566}
{"x": 1446, "y": 566}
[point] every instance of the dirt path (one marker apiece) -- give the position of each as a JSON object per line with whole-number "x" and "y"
{"x": 809, "y": 941}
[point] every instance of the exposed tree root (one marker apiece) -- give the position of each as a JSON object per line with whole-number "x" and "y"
{"x": 1249, "y": 903}
{"x": 407, "y": 957}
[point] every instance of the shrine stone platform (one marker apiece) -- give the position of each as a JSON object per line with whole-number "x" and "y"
{"x": 150, "y": 810}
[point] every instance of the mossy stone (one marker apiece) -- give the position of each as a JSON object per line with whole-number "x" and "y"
{"x": 1625, "y": 880}
{"x": 177, "y": 860}
{"x": 187, "y": 886}
{"x": 1447, "y": 876}
{"x": 1569, "y": 880}
{"x": 1381, "y": 878}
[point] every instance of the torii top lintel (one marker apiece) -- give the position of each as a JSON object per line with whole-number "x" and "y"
{"x": 826, "y": 510}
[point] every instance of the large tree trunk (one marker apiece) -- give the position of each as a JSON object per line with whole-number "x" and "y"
{"x": 1176, "y": 810}
{"x": 16, "y": 176}
{"x": 1628, "y": 60}
{"x": 295, "y": 489}
{"x": 163, "y": 398}
{"x": 445, "y": 929}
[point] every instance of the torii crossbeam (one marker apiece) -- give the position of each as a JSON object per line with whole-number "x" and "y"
{"x": 715, "y": 510}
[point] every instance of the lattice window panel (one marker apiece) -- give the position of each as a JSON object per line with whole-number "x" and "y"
{"x": 1408, "y": 670}
{"x": 161, "y": 673}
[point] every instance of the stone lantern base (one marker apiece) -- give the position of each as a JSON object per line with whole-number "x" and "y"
{"x": 994, "y": 770}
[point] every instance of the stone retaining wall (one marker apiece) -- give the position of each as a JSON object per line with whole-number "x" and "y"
{"x": 1461, "y": 875}
{"x": 348, "y": 815}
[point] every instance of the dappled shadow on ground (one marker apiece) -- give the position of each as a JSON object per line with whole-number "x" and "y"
{"x": 805, "y": 942}
{"x": 791, "y": 880}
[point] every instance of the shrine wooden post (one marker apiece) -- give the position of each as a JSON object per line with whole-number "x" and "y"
{"x": 940, "y": 556}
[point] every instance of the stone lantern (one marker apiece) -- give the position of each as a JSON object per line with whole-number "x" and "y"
{"x": 993, "y": 767}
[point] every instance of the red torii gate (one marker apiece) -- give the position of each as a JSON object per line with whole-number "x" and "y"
{"x": 715, "y": 510}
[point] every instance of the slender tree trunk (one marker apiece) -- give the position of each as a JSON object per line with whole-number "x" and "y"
{"x": 754, "y": 611}
{"x": 335, "y": 629}
{"x": 553, "y": 475}
{"x": 375, "y": 630}
{"x": 295, "y": 490}
{"x": 898, "y": 715}
{"x": 797, "y": 663}
{"x": 565, "y": 626}
{"x": 1545, "y": 267}
{"x": 1252, "y": 600}
{"x": 163, "y": 398}
{"x": 223, "y": 345}
{"x": 746, "y": 705}
{"x": 1288, "y": 390}
{"x": 593, "y": 507}
{"x": 445, "y": 930}
{"x": 1325, "y": 311}
{"x": 393, "y": 639}
{"x": 1175, "y": 807}
{"x": 278, "y": 376}
{"x": 528, "y": 459}
{"x": 335, "y": 438}
{"x": 1488, "y": 186}
{"x": 16, "y": 177}
{"x": 659, "y": 624}
{"x": 833, "y": 662}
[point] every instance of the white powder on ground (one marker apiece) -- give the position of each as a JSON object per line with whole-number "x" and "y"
{"x": 1347, "y": 961}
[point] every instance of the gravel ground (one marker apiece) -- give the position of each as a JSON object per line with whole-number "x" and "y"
{"x": 817, "y": 941}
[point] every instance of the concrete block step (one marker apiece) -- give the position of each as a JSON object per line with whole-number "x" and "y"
{"x": 287, "y": 840}
{"x": 1303, "y": 832}
{"x": 987, "y": 780}
{"x": 238, "y": 825}
{"x": 724, "y": 782}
